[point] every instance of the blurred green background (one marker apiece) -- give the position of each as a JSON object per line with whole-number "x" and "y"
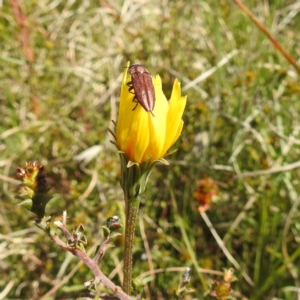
{"x": 60, "y": 70}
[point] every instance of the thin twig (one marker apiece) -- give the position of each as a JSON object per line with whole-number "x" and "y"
{"x": 59, "y": 283}
{"x": 268, "y": 34}
{"x": 285, "y": 252}
{"x": 209, "y": 72}
{"x": 224, "y": 249}
{"x": 7, "y": 289}
{"x": 89, "y": 262}
{"x": 179, "y": 270}
{"x": 187, "y": 242}
{"x": 284, "y": 168}
{"x": 101, "y": 250}
{"x": 99, "y": 276}
{"x": 25, "y": 39}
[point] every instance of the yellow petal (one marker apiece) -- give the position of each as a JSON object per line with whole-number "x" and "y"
{"x": 140, "y": 135}
{"x": 157, "y": 123}
{"x": 132, "y": 130}
{"x": 174, "y": 121}
{"x": 143, "y": 135}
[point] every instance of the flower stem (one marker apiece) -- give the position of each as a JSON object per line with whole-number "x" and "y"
{"x": 132, "y": 207}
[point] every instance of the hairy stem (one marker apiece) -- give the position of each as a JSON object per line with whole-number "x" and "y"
{"x": 132, "y": 207}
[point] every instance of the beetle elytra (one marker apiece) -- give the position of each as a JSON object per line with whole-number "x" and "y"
{"x": 142, "y": 87}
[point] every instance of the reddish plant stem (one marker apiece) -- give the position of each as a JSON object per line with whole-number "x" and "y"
{"x": 268, "y": 34}
{"x": 25, "y": 40}
{"x": 93, "y": 266}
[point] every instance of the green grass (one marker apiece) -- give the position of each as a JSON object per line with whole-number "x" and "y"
{"x": 243, "y": 117}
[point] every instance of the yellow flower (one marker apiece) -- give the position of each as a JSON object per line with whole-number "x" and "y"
{"x": 144, "y": 136}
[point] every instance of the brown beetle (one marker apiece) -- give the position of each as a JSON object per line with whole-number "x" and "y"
{"x": 142, "y": 87}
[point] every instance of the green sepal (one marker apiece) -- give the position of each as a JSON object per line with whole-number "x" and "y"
{"x": 112, "y": 133}
{"x": 163, "y": 161}
{"x": 44, "y": 223}
{"x": 113, "y": 235}
{"x": 134, "y": 176}
{"x": 171, "y": 151}
{"x": 26, "y": 203}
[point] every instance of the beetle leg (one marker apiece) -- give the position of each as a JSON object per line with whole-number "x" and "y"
{"x": 129, "y": 84}
{"x": 135, "y": 101}
{"x": 131, "y": 90}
